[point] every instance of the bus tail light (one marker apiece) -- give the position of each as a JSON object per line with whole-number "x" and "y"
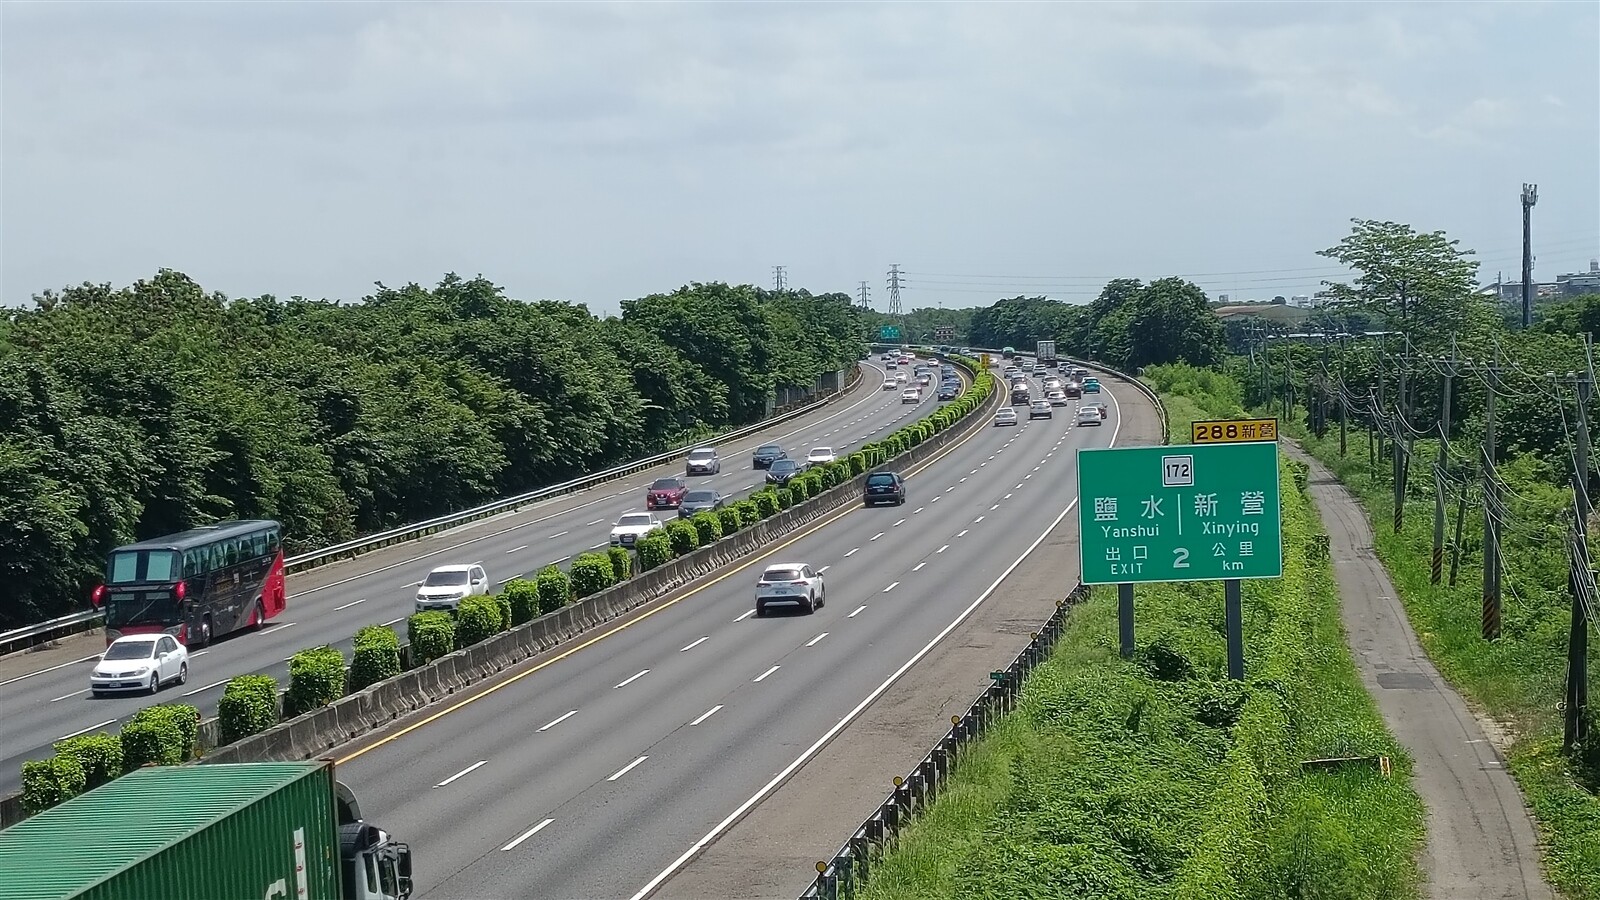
{"x": 99, "y": 595}
{"x": 181, "y": 590}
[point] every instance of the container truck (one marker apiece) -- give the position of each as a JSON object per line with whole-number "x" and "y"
{"x": 245, "y": 831}
{"x": 1047, "y": 353}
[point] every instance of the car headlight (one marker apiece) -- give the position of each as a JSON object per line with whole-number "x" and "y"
{"x": 142, "y": 670}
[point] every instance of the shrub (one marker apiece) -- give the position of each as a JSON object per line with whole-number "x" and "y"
{"x": 376, "y": 657}
{"x": 524, "y": 598}
{"x": 749, "y": 512}
{"x": 730, "y": 519}
{"x": 829, "y": 475}
{"x": 432, "y": 634}
{"x": 555, "y": 589}
{"x": 769, "y": 501}
{"x": 160, "y": 735}
{"x": 683, "y": 537}
{"x": 621, "y": 563}
{"x": 707, "y": 527}
{"x": 503, "y": 603}
{"x": 858, "y": 464}
{"x": 477, "y": 619}
{"x": 591, "y": 574}
{"x": 100, "y": 755}
{"x": 655, "y": 550}
{"x": 46, "y": 782}
{"x": 377, "y": 634}
{"x": 785, "y": 498}
{"x": 249, "y": 703}
{"x": 316, "y": 678}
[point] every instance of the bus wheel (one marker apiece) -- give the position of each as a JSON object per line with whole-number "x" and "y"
{"x": 258, "y": 618}
{"x": 205, "y": 632}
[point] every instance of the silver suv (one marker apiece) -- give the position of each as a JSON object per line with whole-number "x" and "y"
{"x": 703, "y": 461}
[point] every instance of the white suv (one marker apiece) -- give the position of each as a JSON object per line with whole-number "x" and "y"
{"x": 446, "y": 586}
{"x": 785, "y": 583}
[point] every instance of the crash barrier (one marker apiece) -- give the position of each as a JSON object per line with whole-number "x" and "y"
{"x": 841, "y": 877}
{"x": 83, "y": 620}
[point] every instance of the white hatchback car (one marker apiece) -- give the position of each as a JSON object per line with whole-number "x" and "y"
{"x": 140, "y": 662}
{"x": 446, "y": 586}
{"x": 821, "y": 456}
{"x": 790, "y": 583}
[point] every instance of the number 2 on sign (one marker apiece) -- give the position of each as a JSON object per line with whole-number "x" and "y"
{"x": 1180, "y": 558}
{"x": 1177, "y": 471}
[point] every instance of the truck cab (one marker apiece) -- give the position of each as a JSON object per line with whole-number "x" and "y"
{"x": 372, "y": 865}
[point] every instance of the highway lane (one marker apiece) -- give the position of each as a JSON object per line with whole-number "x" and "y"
{"x": 634, "y": 746}
{"x": 330, "y": 603}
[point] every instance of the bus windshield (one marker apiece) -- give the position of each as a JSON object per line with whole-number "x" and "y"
{"x": 123, "y": 610}
{"x": 143, "y": 566}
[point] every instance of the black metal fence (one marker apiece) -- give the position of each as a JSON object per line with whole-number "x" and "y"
{"x": 841, "y": 877}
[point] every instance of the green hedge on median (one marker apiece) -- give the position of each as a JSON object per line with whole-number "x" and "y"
{"x": 316, "y": 679}
{"x": 591, "y": 574}
{"x": 162, "y": 735}
{"x": 375, "y": 657}
{"x": 249, "y": 705}
{"x": 621, "y": 563}
{"x": 523, "y": 596}
{"x": 46, "y": 782}
{"x": 730, "y": 519}
{"x": 431, "y": 634}
{"x": 555, "y": 589}
{"x": 683, "y": 538}
{"x": 477, "y": 619}
{"x": 654, "y": 549}
{"x": 100, "y": 755}
{"x": 707, "y": 527}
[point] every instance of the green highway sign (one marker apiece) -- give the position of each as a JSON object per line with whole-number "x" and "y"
{"x": 1196, "y": 512}
{"x": 888, "y": 333}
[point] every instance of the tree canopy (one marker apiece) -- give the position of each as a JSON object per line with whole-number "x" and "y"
{"x": 138, "y": 411}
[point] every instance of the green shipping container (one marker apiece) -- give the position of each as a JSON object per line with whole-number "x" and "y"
{"x": 224, "y": 832}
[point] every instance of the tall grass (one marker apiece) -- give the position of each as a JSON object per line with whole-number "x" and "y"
{"x": 1157, "y": 778}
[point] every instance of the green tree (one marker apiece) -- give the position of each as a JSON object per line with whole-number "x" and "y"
{"x": 1421, "y": 283}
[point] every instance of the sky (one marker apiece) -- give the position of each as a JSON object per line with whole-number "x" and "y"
{"x": 592, "y": 152}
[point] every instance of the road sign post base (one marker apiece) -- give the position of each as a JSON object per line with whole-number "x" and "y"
{"x": 1125, "y": 619}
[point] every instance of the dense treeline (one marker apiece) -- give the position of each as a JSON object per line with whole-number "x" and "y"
{"x": 1130, "y": 325}
{"x": 143, "y": 410}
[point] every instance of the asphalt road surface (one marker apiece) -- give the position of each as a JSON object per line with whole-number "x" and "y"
{"x": 44, "y": 696}
{"x": 587, "y": 772}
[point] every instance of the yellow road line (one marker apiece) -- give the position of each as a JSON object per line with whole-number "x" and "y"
{"x": 826, "y": 520}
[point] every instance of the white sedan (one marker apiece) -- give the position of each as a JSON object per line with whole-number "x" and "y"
{"x": 821, "y": 456}
{"x": 889, "y": 385}
{"x": 911, "y": 397}
{"x": 140, "y": 662}
{"x": 790, "y": 583}
{"x": 1006, "y": 416}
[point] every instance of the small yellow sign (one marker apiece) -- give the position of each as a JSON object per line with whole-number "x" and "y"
{"x": 1233, "y": 431}
{"x": 986, "y": 363}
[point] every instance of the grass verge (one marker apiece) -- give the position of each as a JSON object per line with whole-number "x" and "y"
{"x": 1517, "y": 680}
{"x": 1156, "y": 778}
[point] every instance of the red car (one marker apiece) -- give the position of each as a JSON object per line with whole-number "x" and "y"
{"x": 665, "y": 493}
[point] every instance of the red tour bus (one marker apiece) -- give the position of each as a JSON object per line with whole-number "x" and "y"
{"x": 197, "y": 584}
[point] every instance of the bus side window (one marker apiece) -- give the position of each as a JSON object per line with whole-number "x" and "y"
{"x": 272, "y": 540}
{"x": 233, "y": 552}
{"x": 258, "y": 545}
{"x": 194, "y": 563}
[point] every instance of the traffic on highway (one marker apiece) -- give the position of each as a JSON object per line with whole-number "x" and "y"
{"x": 638, "y": 744}
{"x": 52, "y": 698}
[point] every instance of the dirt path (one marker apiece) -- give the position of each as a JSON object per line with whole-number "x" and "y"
{"x": 1481, "y": 844}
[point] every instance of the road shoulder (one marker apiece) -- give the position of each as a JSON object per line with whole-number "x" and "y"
{"x": 772, "y": 850}
{"x": 1480, "y": 841}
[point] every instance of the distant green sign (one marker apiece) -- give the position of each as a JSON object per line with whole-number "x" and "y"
{"x": 888, "y": 333}
{"x": 1197, "y": 512}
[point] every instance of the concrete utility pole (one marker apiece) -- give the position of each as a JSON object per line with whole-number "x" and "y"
{"x": 864, "y": 292}
{"x": 1491, "y": 524}
{"x": 1439, "y": 469}
{"x": 894, "y": 291}
{"x": 780, "y": 279}
{"x": 1580, "y": 579}
{"x": 1530, "y": 196}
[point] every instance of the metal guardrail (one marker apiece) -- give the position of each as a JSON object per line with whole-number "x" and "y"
{"x": 28, "y": 635}
{"x": 841, "y": 877}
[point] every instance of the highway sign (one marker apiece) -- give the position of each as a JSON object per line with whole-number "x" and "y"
{"x": 1228, "y": 431}
{"x": 944, "y": 332}
{"x": 1197, "y": 512}
{"x": 888, "y": 333}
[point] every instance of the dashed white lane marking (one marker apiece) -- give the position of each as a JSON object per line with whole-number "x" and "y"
{"x": 763, "y": 675}
{"x": 813, "y": 641}
{"x": 527, "y": 834}
{"x": 627, "y": 768}
{"x": 851, "y": 616}
{"x": 467, "y": 771}
{"x": 891, "y": 587}
{"x": 934, "y": 500}
{"x": 696, "y": 643}
{"x": 747, "y": 614}
{"x": 707, "y": 714}
{"x": 350, "y": 604}
{"x": 977, "y": 520}
{"x": 994, "y": 507}
{"x": 918, "y": 567}
{"x": 917, "y": 510}
{"x": 86, "y": 730}
{"x": 517, "y": 549}
{"x": 898, "y": 524}
{"x": 961, "y": 533}
{"x": 631, "y": 679}
{"x": 558, "y": 720}
{"x": 852, "y": 552}
{"x": 595, "y": 522}
{"x": 942, "y": 549}
{"x": 201, "y": 690}
{"x": 878, "y": 535}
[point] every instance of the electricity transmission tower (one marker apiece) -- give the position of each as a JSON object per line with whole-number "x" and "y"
{"x": 864, "y": 292}
{"x": 894, "y": 291}
{"x": 780, "y": 279}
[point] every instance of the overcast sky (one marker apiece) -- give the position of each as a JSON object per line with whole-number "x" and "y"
{"x": 592, "y": 152}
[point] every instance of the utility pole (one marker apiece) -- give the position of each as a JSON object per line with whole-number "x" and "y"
{"x": 1344, "y": 412}
{"x": 1491, "y": 525}
{"x": 1530, "y": 196}
{"x": 779, "y": 280}
{"x": 894, "y": 292}
{"x": 1439, "y": 468}
{"x": 864, "y": 292}
{"x": 1578, "y": 630}
{"x": 1402, "y": 445}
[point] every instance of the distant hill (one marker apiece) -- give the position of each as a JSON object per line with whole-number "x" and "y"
{"x": 1274, "y": 311}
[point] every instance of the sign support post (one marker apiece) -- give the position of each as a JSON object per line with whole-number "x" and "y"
{"x": 1125, "y": 618}
{"x": 1233, "y": 622}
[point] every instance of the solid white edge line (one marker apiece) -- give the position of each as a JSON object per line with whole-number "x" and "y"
{"x": 850, "y": 716}
{"x": 468, "y": 770}
{"x": 527, "y": 834}
{"x": 558, "y": 720}
{"x": 625, "y": 769}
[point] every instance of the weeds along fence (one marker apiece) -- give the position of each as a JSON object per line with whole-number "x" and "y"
{"x": 846, "y": 873}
